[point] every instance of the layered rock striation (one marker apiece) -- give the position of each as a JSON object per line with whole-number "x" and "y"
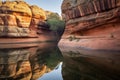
{"x": 95, "y": 21}
{"x": 18, "y": 19}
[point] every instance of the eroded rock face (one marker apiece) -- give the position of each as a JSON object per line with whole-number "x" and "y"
{"x": 38, "y": 15}
{"x": 17, "y": 17}
{"x": 82, "y": 15}
{"x": 80, "y": 8}
{"x": 92, "y": 19}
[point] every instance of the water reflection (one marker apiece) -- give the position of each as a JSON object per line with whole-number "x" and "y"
{"x": 90, "y": 65}
{"x": 53, "y": 75}
{"x": 28, "y": 63}
{"x": 48, "y": 62}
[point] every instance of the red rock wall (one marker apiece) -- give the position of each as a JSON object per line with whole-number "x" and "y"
{"x": 93, "y": 24}
{"x": 91, "y": 17}
{"x": 72, "y": 9}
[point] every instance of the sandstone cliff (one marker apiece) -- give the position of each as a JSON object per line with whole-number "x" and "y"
{"x": 92, "y": 20}
{"x": 19, "y": 19}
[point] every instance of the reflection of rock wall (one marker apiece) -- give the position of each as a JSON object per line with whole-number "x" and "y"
{"x": 92, "y": 19}
{"x": 16, "y": 18}
{"x": 10, "y": 60}
{"x": 90, "y": 68}
{"x": 28, "y": 63}
{"x": 16, "y": 64}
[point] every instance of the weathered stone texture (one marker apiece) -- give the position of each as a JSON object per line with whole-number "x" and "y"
{"x": 37, "y": 12}
{"x": 77, "y": 8}
{"x": 17, "y": 18}
{"x": 91, "y": 19}
{"x": 88, "y": 14}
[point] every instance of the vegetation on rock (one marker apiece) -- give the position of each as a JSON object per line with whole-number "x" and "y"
{"x": 56, "y": 23}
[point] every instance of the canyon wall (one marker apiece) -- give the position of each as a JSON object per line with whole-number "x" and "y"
{"x": 92, "y": 23}
{"x": 19, "y": 19}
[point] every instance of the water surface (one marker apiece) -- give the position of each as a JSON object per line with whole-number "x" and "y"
{"x": 48, "y": 62}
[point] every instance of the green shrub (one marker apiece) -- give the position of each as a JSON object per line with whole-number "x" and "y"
{"x": 56, "y": 24}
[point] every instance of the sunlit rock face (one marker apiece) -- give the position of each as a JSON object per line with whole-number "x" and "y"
{"x": 93, "y": 19}
{"x": 16, "y": 18}
{"x": 38, "y": 15}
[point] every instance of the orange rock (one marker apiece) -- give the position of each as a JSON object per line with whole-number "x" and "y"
{"x": 8, "y": 20}
{"x": 37, "y": 12}
{"x": 23, "y": 21}
{"x": 16, "y": 6}
{"x": 21, "y": 16}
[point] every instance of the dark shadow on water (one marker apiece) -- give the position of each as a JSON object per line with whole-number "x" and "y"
{"x": 90, "y": 64}
{"x": 48, "y": 62}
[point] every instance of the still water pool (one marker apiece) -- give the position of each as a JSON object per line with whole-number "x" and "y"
{"x": 48, "y": 62}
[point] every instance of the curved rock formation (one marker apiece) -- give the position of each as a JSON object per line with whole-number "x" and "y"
{"x": 17, "y": 18}
{"x": 94, "y": 23}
